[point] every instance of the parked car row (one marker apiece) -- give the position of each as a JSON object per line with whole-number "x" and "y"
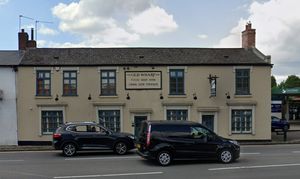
{"x": 163, "y": 141}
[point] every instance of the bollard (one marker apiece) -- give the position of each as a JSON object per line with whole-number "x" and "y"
{"x": 284, "y": 135}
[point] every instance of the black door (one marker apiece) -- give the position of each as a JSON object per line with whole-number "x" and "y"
{"x": 101, "y": 138}
{"x": 137, "y": 123}
{"x": 208, "y": 121}
{"x": 204, "y": 145}
{"x": 93, "y": 137}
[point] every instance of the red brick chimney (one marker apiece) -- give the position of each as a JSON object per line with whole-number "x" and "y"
{"x": 248, "y": 37}
{"x": 24, "y": 42}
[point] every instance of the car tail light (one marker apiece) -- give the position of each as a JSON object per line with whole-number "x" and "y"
{"x": 148, "y": 136}
{"x": 56, "y": 136}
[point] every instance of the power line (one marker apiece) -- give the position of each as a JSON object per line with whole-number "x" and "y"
{"x": 20, "y": 20}
{"x": 36, "y": 26}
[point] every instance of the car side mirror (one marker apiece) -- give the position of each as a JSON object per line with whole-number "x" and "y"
{"x": 210, "y": 137}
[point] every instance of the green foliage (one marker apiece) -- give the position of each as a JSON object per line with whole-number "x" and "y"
{"x": 273, "y": 82}
{"x": 291, "y": 82}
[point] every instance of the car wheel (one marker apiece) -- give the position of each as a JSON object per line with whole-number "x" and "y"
{"x": 226, "y": 156}
{"x": 121, "y": 148}
{"x": 69, "y": 149}
{"x": 164, "y": 158}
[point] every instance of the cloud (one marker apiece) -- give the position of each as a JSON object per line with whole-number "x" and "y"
{"x": 113, "y": 22}
{"x": 154, "y": 20}
{"x": 202, "y": 36}
{"x": 41, "y": 43}
{"x": 46, "y": 30}
{"x": 2, "y": 2}
{"x": 277, "y": 26}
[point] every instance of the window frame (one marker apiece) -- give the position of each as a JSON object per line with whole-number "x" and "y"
{"x": 241, "y": 91}
{"x": 176, "y": 114}
{"x": 69, "y": 85}
{"x": 115, "y": 124}
{"x": 252, "y": 129}
{"x": 176, "y": 81}
{"x": 42, "y": 120}
{"x": 107, "y": 71}
{"x": 43, "y": 83}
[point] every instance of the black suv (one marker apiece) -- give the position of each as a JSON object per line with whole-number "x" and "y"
{"x": 167, "y": 140}
{"x": 73, "y": 137}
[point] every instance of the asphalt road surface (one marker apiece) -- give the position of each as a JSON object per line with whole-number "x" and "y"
{"x": 264, "y": 161}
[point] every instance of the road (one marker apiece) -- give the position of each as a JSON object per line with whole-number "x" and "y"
{"x": 264, "y": 161}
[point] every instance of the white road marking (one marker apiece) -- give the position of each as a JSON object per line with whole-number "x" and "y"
{"x": 110, "y": 175}
{"x": 271, "y": 145}
{"x": 296, "y": 152}
{"x": 11, "y": 160}
{"x": 257, "y": 166}
{"x": 254, "y": 153}
{"x": 103, "y": 158}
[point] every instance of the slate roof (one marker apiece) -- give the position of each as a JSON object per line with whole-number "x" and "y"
{"x": 10, "y": 58}
{"x": 142, "y": 56}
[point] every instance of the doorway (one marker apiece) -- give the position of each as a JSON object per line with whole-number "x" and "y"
{"x": 137, "y": 123}
{"x": 208, "y": 121}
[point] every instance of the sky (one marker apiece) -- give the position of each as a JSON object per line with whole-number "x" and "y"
{"x": 158, "y": 23}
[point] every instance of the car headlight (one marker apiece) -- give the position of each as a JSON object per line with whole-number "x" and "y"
{"x": 234, "y": 142}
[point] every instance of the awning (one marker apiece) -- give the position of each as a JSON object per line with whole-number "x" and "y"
{"x": 286, "y": 91}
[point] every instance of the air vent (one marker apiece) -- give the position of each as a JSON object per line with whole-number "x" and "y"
{"x": 226, "y": 56}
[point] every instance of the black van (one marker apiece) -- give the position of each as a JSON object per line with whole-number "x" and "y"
{"x": 167, "y": 140}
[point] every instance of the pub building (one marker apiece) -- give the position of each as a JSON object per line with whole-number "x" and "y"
{"x": 226, "y": 89}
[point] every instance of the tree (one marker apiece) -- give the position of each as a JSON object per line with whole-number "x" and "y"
{"x": 273, "y": 82}
{"x": 281, "y": 85}
{"x": 292, "y": 81}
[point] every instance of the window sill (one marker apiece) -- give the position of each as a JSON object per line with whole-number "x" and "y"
{"x": 43, "y": 97}
{"x": 107, "y": 96}
{"x": 64, "y": 95}
{"x": 177, "y": 96}
{"x": 237, "y": 133}
{"x": 243, "y": 96}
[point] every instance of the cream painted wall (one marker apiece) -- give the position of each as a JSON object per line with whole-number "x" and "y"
{"x": 79, "y": 108}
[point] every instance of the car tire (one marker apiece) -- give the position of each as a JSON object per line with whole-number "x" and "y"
{"x": 121, "y": 148}
{"x": 164, "y": 158}
{"x": 69, "y": 149}
{"x": 225, "y": 156}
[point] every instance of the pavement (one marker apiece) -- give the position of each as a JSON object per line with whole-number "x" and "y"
{"x": 293, "y": 137}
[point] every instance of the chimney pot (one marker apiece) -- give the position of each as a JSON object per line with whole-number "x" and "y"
{"x": 32, "y": 33}
{"x": 248, "y": 37}
{"x": 24, "y": 42}
{"x": 23, "y": 38}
